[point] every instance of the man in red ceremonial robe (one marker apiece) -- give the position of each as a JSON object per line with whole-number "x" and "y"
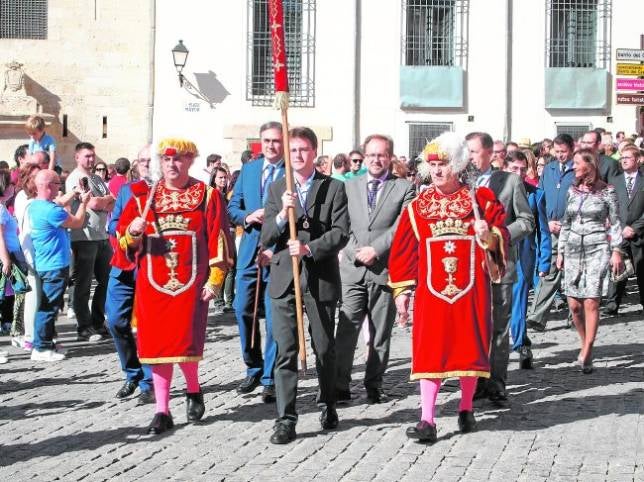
{"x": 178, "y": 235}
{"x": 448, "y": 245}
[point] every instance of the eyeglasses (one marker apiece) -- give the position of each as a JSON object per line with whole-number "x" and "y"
{"x": 356, "y": 160}
{"x": 100, "y": 169}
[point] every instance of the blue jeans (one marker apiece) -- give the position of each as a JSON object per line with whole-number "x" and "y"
{"x": 246, "y": 283}
{"x": 54, "y": 283}
{"x": 118, "y": 309}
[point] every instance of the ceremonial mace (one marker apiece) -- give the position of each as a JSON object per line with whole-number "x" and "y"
{"x": 276, "y": 16}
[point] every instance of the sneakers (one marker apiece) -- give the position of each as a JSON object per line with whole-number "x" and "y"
{"x": 89, "y": 334}
{"x": 47, "y": 355}
{"x": 27, "y": 345}
{"x": 4, "y": 357}
{"x": 18, "y": 341}
{"x": 70, "y": 313}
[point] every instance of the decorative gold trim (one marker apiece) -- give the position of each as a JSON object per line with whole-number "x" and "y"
{"x": 501, "y": 244}
{"x": 216, "y": 277}
{"x": 452, "y": 374}
{"x": 412, "y": 221}
{"x": 402, "y": 284}
{"x": 170, "y": 359}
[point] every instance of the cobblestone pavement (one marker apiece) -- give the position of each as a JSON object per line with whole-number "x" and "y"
{"x": 62, "y": 422}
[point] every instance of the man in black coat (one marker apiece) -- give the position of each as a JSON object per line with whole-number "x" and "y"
{"x": 322, "y": 220}
{"x": 629, "y": 186}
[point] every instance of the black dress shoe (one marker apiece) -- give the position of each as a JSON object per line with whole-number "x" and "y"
{"x": 127, "y": 389}
{"x": 423, "y": 431}
{"x": 249, "y": 384}
{"x": 146, "y": 397}
{"x": 466, "y": 421}
{"x": 268, "y": 394}
{"x": 536, "y": 326}
{"x": 195, "y": 407}
{"x": 498, "y": 396}
{"x": 329, "y": 418}
{"x": 283, "y": 433}
{"x": 376, "y": 395}
{"x": 525, "y": 358}
{"x": 343, "y": 396}
{"x": 160, "y": 423}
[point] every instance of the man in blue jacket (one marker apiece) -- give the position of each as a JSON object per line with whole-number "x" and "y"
{"x": 120, "y": 301}
{"x": 246, "y": 209}
{"x": 535, "y": 249}
{"x": 555, "y": 181}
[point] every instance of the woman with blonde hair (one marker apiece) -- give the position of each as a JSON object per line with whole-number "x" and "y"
{"x": 532, "y": 177}
{"x": 587, "y": 249}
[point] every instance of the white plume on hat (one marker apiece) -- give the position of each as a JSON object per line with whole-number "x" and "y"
{"x": 448, "y": 146}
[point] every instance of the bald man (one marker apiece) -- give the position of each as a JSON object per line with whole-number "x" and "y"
{"x": 49, "y": 224}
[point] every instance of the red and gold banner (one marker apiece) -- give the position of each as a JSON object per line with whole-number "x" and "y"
{"x": 276, "y": 19}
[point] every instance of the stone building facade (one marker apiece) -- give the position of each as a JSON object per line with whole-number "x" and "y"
{"x": 88, "y": 65}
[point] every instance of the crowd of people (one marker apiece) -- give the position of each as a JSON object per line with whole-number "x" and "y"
{"x": 451, "y": 242}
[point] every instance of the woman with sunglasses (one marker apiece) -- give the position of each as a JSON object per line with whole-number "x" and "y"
{"x": 100, "y": 169}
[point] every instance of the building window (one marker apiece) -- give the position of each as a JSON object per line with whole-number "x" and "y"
{"x": 434, "y": 32}
{"x": 421, "y": 133}
{"x": 23, "y": 19}
{"x": 299, "y": 35}
{"x": 573, "y": 130}
{"x": 579, "y": 33}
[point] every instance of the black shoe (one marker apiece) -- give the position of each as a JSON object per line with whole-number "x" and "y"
{"x": 127, "y": 389}
{"x": 611, "y": 309}
{"x": 89, "y": 334}
{"x": 228, "y": 309}
{"x": 376, "y": 395}
{"x": 102, "y": 331}
{"x": 146, "y": 397}
{"x": 160, "y": 423}
{"x": 525, "y": 358}
{"x": 497, "y": 394}
{"x": 283, "y": 433}
{"x": 343, "y": 396}
{"x": 423, "y": 431}
{"x": 195, "y": 407}
{"x": 466, "y": 421}
{"x": 249, "y": 384}
{"x": 268, "y": 394}
{"x": 329, "y": 418}
{"x": 536, "y": 326}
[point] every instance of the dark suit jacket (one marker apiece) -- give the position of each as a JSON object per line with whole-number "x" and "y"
{"x": 510, "y": 191}
{"x": 608, "y": 167}
{"x": 246, "y": 198}
{"x": 326, "y": 207}
{"x": 375, "y": 230}
{"x": 631, "y": 211}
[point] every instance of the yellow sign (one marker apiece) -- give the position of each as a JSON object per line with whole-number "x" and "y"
{"x": 630, "y": 69}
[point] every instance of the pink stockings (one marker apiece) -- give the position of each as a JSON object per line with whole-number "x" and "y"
{"x": 162, "y": 378}
{"x": 429, "y": 391}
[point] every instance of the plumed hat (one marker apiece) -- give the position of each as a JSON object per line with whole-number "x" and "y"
{"x": 450, "y": 147}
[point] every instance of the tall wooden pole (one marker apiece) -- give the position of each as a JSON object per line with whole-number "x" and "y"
{"x": 276, "y": 17}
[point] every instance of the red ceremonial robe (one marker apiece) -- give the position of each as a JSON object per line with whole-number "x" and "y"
{"x": 435, "y": 250}
{"x": 186, "y": 234}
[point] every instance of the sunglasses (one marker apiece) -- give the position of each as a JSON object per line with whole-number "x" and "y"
{"x": 100, "y": 169}
{"x": 356, "y": 160}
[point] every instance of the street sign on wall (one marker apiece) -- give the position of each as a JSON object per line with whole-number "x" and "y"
{"x": 630, "y": 69}
{"x": 630, "y": 99}
{"x": 630, "y": 54}
{"x": 629, "y": 84}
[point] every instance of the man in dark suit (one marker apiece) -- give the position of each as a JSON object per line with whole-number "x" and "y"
{"x": 608, "y": 167}
{"x": 630, "y": 196}
{"x": 519, "y": 220}
{"x": 320, "y": 205}
{"x": 246, "y": 209}
{"x": 376, "y": 201}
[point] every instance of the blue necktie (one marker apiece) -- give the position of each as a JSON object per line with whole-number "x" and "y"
{"x": 270, "y": 169}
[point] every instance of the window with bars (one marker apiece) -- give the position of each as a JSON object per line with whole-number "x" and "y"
{"x": 23, "y": 19}
{"x": 579, "y": 33}
{"x": 421, "y": 133}
{"x": 299, "y": 35}
{"x": 434, "y": 32}
{"x": 573, "y": 130}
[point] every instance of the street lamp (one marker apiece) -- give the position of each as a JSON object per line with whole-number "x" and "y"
{"x": 180, "y": 58}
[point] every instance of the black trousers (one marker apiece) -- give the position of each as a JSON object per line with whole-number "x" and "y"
{"x": 321, "y": 320}
{"x": 91, "y": 259}
{"x": 616, "y": 290}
